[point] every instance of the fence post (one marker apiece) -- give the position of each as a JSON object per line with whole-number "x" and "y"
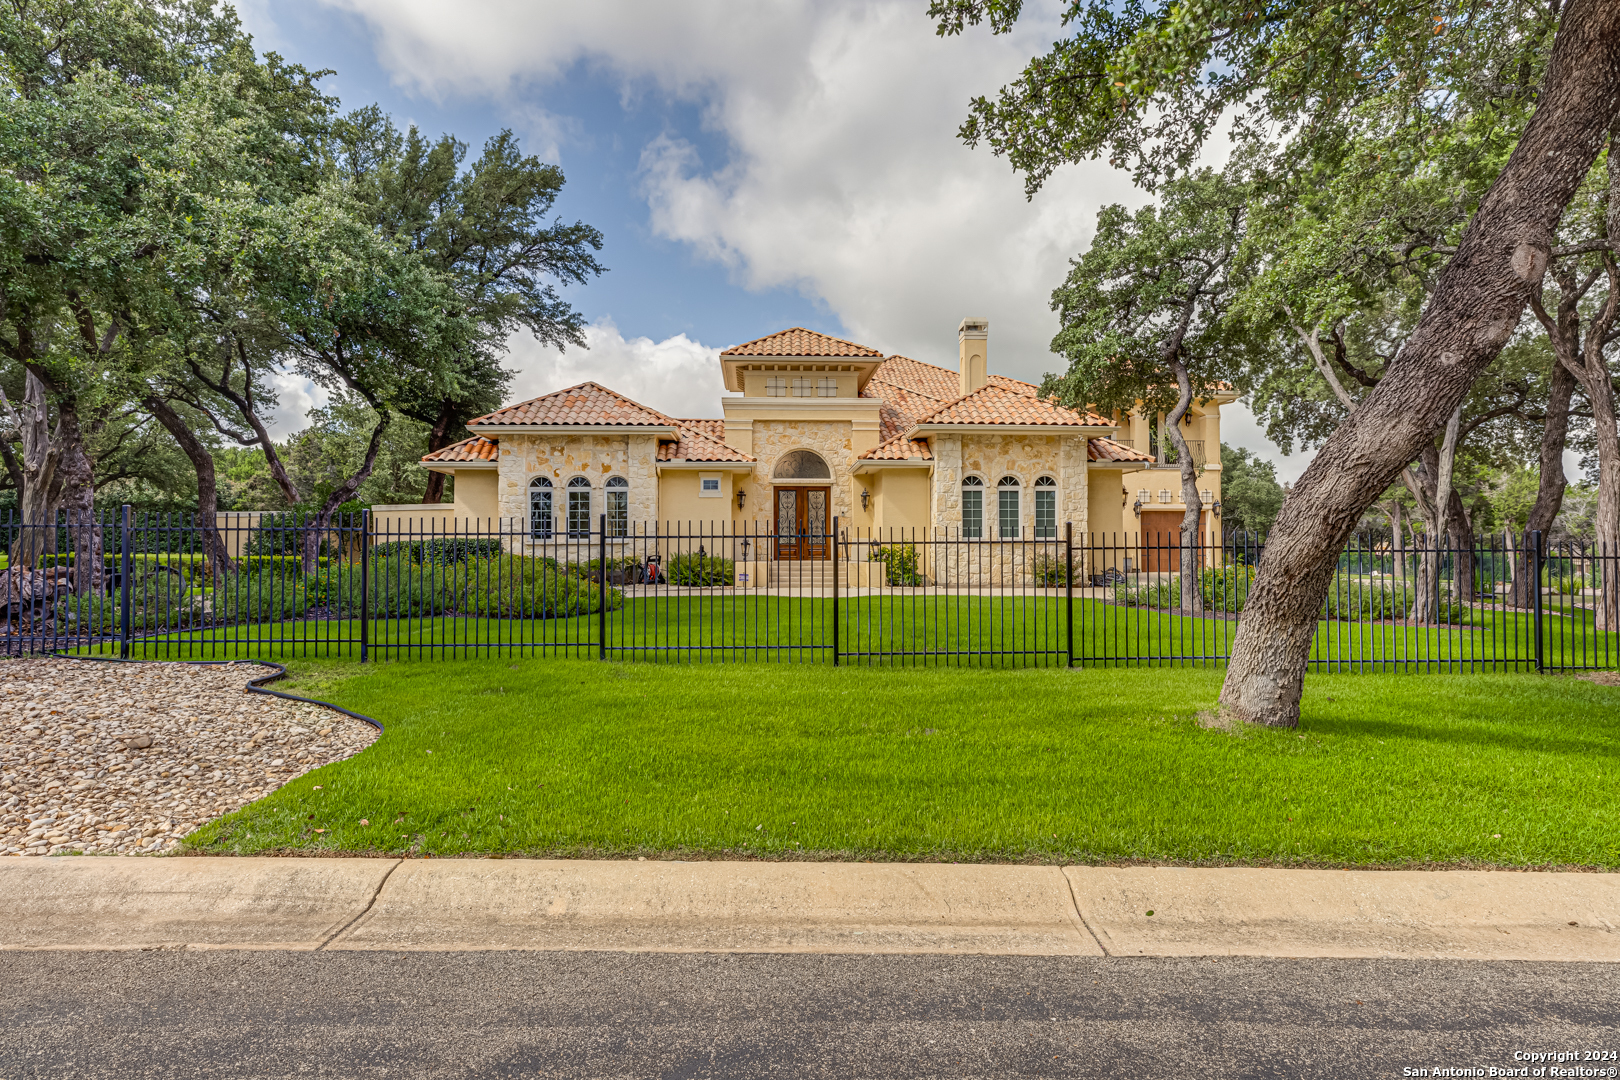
{"x": 1068, "y": 590}
{"x": 365, "y": 584}
{"x": 124, "y": 612}
{"x": 601, "y": 594}
{"x": 1535, "y": 591}
{"x": 835, "y": 567}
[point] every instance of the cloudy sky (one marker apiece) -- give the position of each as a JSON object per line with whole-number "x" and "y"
{"x": 752, "y": 166}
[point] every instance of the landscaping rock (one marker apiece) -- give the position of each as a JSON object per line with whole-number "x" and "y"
{"x": 74, "y": 776}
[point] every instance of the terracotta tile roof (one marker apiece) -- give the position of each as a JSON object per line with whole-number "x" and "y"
{"x": 798, "y": 341}
{"x": 901, "y": 449}
{"x": 698, "y": 445}
{"x": 1109, "y": 450}
{"x": 714, "y": 429}
{"x": 476, "y": 448}
{"x": 995, "y": 404}
{"x": 587, "y": 403}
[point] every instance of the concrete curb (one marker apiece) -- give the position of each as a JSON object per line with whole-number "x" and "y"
{"x": 467, "y": 904}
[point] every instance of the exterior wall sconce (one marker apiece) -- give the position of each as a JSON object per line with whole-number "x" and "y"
{"x": 741, "y": 494}
{"x": 744, "y": 546}
{"x": 865, "y": 495}
{"x": 1216, "y": 508}
{"x": 1124, "y": 497}
{"x": 1136, "y": 508}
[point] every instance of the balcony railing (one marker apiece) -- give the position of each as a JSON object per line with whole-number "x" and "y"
{"x": 1166, "y": 455}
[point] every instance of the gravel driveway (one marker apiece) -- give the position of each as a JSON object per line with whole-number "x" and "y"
{"x": 124, "y": 758}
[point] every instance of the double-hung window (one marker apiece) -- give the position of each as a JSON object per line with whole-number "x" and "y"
{"x": 540, "y": 521}
{"x": 618, "y": 506}
{"x": 1007, "y": 508}
{"x": 1046, "y": 508}
{"x": 579, "y": 508}
{"x": 972, "y": 508}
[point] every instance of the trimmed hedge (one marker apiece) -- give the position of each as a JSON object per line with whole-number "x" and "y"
{"x": 694, "y": 570}
{"x": 444, "y": 549}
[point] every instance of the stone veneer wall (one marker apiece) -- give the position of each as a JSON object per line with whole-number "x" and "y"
{"x": 561, "y": 457}
{"x": 832, "y": 439}
{"x": 991, "y": 456}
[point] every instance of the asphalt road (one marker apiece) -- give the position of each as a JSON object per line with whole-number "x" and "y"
{"x": 576, "y": 1015}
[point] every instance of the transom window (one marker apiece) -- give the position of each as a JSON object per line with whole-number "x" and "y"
{"x": 540, "y": 520}
{"x": 618, "y": 506}
{"x": 1007, "y": 507}
{"x": 802, "y": 465}
{"x": 579, "y": 508}
{"x": 1046, "y": 508}
{"x": 775, "y": 386}
{"x": 826, "y": 387}
{"x": 972, "y": 508}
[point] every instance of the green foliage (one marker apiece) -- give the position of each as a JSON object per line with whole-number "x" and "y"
{"x": 519, "y": 587}
{"x": 1251, "y": 498}
{"x": 901, "y": 563}
{"x": 1150, "y": 594}
{"x": 1354, "y": 597}
{"x": 1225, "y": 588}
{"x": 438, "y": 550}
{"x": 283, "y": 533}
{"x": 695, "y": 570}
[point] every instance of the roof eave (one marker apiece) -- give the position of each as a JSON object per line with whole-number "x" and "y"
{"x": 577, "y": 429}
{"x": 707, "y": 466}
{"x": 1091, "y": 431}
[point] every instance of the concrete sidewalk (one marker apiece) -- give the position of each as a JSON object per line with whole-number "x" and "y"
{"x": 471, "y": 904}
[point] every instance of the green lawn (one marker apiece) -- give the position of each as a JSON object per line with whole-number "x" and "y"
{"x": 896, "y": 628}
{"x": 578, "y": 757}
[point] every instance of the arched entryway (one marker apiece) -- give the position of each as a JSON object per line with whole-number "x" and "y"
{"x": 802, "y": 504}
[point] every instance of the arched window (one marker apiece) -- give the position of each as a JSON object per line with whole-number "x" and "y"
{"x": 802, "y": 465}
{"x": 579, "y": 508}
{"x": 1007, "y": 507}
{"x": 972, "y": 508}
{"x": 618, "y": 506}
{"x": 1046, "y": 508}
{"x": 540, "y": 519}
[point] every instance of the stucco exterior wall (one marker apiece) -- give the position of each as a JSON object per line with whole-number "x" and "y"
{"x": 477, "y": 493}
{"x": 904, "y": 501}
{"x": 680, "y": 500}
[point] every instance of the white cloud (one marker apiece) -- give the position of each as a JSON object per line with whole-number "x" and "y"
{"x": 845, "y": 178}
{"x": 295, "y": 397}
{"x": 676, "y": 376}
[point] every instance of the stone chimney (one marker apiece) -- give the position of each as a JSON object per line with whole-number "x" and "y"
{"x": 973, "y": 354}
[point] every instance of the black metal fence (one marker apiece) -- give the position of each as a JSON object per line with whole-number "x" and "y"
{"x": 359, "y": 585}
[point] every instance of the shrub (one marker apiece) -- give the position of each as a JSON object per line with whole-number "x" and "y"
{"x": 519, "y": 587}
{"x": 442, "y": 549}
{"x": 699, "y": 570}
{"x": 614, "y": 564}
{"x": 261, "y": 594}
{"x": 1226, "y": 588}
{"x": 1049, "y": 571}
{"x": 1352, "y": 598}
{"x": 901, "y": 563}
{"x": 1156, "y": 594}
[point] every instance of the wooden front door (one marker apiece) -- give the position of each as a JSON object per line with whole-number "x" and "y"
{"x": 802, "y": 522}
{"x": 1161, "y": 540}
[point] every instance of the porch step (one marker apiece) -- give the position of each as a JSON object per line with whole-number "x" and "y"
{"x": 811, "y": 576}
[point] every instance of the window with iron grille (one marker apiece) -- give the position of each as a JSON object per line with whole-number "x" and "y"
{"x": 803, "y": 387}
{"x": 540, "y": 520}
{"x": 618, "y": 506}
{"x": 1007, "y": 508}
{"x": 1046, "y": 508}
{"x": 775, "y": 386}
{"x": 826, "y": 387}
{"x": 972, "y": 508}
{"x": 579, "y": 508}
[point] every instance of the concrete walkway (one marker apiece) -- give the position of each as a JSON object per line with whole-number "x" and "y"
{"x": 476, "y": 904}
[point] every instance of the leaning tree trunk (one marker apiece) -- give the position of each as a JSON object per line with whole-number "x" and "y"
{"x": 215, "y": 552}
{"x": 78, "y": 502}
{"x": 438, "y": 439}
{"x": 42, "y": 457}
{"x": 1192, "y": 597}
{"x": 322, "y": 520}
{"x": 1473, "y": 312}
{"x": 1550, "y": 489}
